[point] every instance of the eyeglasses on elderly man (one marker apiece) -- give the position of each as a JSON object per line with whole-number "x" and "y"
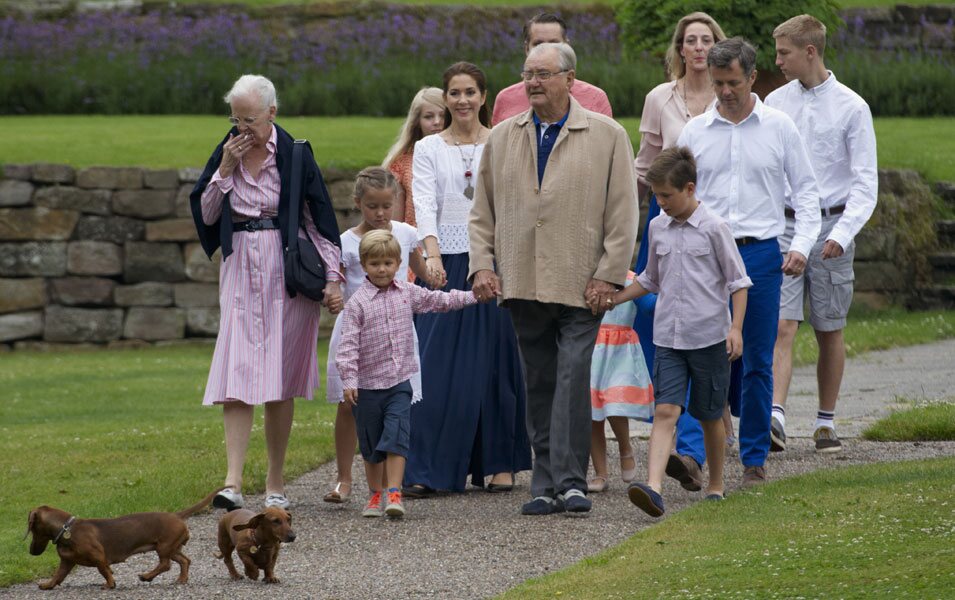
{"x": 529, "y": 76}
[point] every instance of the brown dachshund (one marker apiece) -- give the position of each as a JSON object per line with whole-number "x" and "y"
{"x": 103, "y": 542}
{"x": 256, "y": 538}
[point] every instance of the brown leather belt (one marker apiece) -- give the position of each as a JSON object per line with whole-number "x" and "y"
{"x": 826, "y": 212}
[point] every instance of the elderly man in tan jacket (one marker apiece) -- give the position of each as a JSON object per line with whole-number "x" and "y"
{"x": 552, "y": 233}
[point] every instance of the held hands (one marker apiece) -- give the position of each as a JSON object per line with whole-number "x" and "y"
{"x": 437, "y": 278}
{"x": 734, "y": 344}
{"x": 333, "y": 301}
{"x": 351, "y": 396}
{"x": 486, "y": 285}
{"x": 600, "y": 296}
{"x": 832, "y": 249}
{"x": 794, "y": 264}
{"x": 232, "y": 151}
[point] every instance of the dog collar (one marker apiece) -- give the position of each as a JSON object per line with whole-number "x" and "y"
{"x": 255, "y": 545}
{"x": 64, "y": 531}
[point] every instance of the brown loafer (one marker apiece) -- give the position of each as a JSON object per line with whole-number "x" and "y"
{"x": 685, "y": 470}
{"x": 753, "y": 476}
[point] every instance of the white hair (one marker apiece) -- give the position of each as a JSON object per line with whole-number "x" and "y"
{"x": 566, "y": 56}
{"x": 253, "y": 85}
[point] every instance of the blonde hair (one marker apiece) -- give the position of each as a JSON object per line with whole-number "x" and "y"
{"x": 411, "y": 129}
{"x": 379, "y": 243}
{"x": 804, "y": 30}
{"x": 377, "y": 178}
{"x": 675, "y": 66}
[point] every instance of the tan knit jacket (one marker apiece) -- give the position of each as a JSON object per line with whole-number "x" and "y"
{"x": 549, "y": 240}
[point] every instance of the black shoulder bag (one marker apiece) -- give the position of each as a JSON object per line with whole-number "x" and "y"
{"x": 304, "y": 270}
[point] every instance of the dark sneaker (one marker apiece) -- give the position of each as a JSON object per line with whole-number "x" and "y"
{"x": 827, "y": 442}
{"x": 542, "y": 505}
{"x": 777, "y": 436}
{"x": 686, "y": 470}
{"x": 575, "y": 501}
{"x": 646, "y": 499}
{"x": 753, "y": 476}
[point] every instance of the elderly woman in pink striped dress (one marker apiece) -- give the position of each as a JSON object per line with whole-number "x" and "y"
{"x": 265, "y": 351}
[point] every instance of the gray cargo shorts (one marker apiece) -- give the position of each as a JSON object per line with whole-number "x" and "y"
{"x": 825, "y": 284}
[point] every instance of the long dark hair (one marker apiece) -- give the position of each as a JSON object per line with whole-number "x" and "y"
{"x": 466, "y": 68}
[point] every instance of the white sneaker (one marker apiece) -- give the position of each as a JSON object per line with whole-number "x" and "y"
{"x": 228, "y": 499}
{"x": 277, "y": 500}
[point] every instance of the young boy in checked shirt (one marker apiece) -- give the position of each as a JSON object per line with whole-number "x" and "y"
{"x": 376, "y": 359}
{"x": 695, "y": 268}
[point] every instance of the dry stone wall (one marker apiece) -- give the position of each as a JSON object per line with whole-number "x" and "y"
{"x": 109, "y": 256}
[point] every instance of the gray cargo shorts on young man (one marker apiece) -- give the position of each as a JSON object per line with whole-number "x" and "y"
{"x": 705, "y": 370}
{"x": 826, "y": 284}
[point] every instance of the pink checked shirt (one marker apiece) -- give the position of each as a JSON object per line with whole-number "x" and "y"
{"x": 376, "y": 350}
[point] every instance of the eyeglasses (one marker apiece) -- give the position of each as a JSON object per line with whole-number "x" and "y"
{"x": 246, "y": 120}
{"x": 529, "y": 76}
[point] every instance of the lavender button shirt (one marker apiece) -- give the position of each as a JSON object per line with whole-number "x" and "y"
{"x": 694, "y": 266}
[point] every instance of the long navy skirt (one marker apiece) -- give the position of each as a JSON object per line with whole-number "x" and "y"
{"x": 471, "y": 418}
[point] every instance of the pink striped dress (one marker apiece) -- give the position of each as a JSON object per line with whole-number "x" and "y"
{"x": 265, "y": 350}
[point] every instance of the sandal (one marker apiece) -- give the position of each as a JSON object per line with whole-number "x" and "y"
{"x": 628, "y": 475}
{"x": 500, "y": 487}
{"x": 337, "y": 496}
{"x": 597, "y": 484}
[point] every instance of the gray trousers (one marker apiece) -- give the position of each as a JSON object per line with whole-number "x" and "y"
{"x": 557, "y": 346}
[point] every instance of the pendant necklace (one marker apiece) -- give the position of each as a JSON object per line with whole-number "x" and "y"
{"x": 467, "y": 162}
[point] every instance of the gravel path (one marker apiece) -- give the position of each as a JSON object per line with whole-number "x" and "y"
{"x": 475, "y": 544}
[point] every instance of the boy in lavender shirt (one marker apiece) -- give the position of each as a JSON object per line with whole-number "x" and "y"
{"x": 694, "y": 267}
{"x": 376, "y": 358}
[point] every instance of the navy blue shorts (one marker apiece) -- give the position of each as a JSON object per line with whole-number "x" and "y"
{"x": 709, "y": 370}
{"x": 383, "y": 420}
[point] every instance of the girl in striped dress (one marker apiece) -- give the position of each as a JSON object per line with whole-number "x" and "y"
{"x": 620, "y": 389}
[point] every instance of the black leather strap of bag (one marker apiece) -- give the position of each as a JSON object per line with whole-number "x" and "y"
{"x": 295, "y": 195}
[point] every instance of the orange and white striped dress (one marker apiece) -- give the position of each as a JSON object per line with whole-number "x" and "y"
{"x": 619, "y": 381}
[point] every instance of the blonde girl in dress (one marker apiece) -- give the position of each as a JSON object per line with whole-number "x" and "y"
{"x": 425, "y": 117}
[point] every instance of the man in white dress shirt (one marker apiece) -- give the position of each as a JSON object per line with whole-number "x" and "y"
{"x": 746, "y": 153}
{"x": 836, "y": 125}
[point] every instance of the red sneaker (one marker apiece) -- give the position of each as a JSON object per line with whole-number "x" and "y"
{"x": 373, "y": 508}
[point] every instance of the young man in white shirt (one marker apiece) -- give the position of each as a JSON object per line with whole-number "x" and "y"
{"x": 746, "y": 153}
{"x": 836, "y": 125}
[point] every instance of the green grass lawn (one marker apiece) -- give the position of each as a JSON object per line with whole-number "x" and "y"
{"x": 348, "y": 142}
{"x": 923, "y": 421}
{"x": 105, "y": 433}
{"x": 875, "y": 531}
{"x": 878, "y": 330}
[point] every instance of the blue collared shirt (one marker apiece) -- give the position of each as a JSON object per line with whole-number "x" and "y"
{"x": 545, "y": 142}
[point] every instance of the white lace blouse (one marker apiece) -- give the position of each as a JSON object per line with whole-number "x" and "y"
{"x": 437, "y": 185}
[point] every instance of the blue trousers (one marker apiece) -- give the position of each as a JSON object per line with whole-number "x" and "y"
{"x": 751, "y": 380}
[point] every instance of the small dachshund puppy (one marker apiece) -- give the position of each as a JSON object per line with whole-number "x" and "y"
{"x": 256, "y": 538}
{"x": 103, "y": 542}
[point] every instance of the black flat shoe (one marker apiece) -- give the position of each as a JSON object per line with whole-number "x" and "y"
{"x": 417, "y": 491}
{"x": 499, "y": 488}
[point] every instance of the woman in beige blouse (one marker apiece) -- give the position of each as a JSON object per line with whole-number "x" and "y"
{"x": 667, "y": 108}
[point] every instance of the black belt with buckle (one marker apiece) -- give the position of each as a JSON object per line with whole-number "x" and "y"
{"x": 826, "y": 212}
{"x": 745, "y": 241}
{"x": 255, "y": 225}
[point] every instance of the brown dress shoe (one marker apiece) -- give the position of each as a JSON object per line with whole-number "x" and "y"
{"x": 685, "y": 470}
{"x": 753, "y": 476}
